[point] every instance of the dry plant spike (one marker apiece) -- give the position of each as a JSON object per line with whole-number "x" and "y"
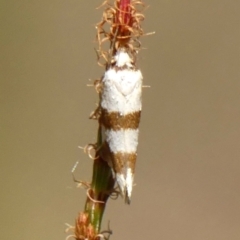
{"x": 121, "y": 26}
{"x": 83, "y": 228}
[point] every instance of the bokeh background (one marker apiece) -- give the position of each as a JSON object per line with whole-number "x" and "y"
{"x": 188, "y": 169}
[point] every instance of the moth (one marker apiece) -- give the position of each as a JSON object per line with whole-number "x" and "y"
{"x": 120, "y": 107}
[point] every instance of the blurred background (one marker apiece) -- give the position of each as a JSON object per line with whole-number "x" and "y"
{"x": 188, "y": 169}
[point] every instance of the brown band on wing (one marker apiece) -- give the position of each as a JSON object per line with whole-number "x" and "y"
{"x": 125, "y": 67}
{"x": 121, "y": 161}
{"x": 116, "y": 121}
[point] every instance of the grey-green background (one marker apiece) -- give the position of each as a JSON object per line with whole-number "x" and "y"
{"x": 188, "y": 169}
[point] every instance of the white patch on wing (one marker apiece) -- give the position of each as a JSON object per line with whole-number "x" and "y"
{"x": 125, "y": 184}
{"x": 121, "y": 182}
{"x": 129, "y": 182}
{"x": 122, "y": 91}
{"x": 122, "y": 59}
{"x": 125, "y": 141}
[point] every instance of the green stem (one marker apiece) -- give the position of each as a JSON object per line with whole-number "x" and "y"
{"x": 101, "y": 188}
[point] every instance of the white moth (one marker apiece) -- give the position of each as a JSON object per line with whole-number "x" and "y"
{"x": 120, "y": 115}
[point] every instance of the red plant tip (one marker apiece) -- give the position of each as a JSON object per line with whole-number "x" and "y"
{"x": 123, "y": 18}
{"x": 123, "y": 12}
